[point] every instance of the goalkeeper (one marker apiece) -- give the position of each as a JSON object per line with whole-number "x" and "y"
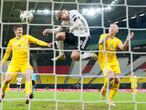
{"x": 19, "y": 63}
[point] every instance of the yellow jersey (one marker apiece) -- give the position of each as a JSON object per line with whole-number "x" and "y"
{"x": 111, "y": 46}
{"x": 20, "y": 48}
{"x": 133, "y": 81}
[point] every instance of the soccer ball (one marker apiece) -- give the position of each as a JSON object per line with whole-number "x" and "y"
{"x": 26, "y": 16}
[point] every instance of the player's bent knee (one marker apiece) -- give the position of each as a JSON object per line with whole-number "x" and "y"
{"x": 60, "y": 36}
{"x": 7, "y": 81}
{"x": 117, "y": 80}
{"x": 75, "y": 58}
{"x": 75, "y": 55}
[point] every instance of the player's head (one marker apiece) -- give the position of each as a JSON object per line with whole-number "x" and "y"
{"x": 113, "y": 29}
{"x": 18, "y": 30}
{"x": 62, "y": 15}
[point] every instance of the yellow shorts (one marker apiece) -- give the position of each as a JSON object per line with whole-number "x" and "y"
{"x": 113, "y": 66}
{"x": 14, "y": 69}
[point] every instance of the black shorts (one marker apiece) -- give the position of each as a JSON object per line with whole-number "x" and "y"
{"x": 18, "y": 85}
{"x": 72, "y": 39}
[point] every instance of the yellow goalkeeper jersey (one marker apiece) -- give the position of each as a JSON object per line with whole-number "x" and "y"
{"x": 111, "y": 47}
{"x": 20, "y": 48}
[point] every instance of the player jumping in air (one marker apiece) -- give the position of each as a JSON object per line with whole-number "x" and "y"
{"x": 108, "y": 60}
{"x": 78, "y": 28}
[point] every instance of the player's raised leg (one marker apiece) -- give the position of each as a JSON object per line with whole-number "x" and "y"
{"x": 11, "y": 74}
{"x": 108, "y": 74}
{"x": 75, "y": 55}
{"x": 104, "y": 88}
{"x": 60, "y": 45}
{"x": 114, "y": 88}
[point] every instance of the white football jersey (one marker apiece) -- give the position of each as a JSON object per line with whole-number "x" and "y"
{"x": 19, "y": 79}
{"x": 82, "y": 30}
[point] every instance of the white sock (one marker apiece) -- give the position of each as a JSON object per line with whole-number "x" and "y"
{"x": 60, "y": 46}
{"x": 86, "y": 55}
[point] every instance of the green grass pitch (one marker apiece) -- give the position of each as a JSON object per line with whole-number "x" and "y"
{"x": 67, "y": 101}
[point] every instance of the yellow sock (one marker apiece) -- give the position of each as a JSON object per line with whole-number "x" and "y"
{"x": 4, "y": 87}
{"x": 8, "y": 87}
{"x": 113, "y": 90}
{"x": 105, "y": 82}
{"x": 28, "y": 87}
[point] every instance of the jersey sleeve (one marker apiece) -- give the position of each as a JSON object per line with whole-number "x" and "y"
{"x": 75, "y": 15}
{"x": 7, "y": 53}
{"x": 119, "y": 42}
{"x": 102, "y": 36}
{"x": 37, "y": 41}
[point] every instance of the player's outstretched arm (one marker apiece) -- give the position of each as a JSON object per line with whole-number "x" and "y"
{"x": 125, "y": 45}
{"x": 7, "y": 53}
{"x": 56, "y": 30}
{"x": 39, "y": 42}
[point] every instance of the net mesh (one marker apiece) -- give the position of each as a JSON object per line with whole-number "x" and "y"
{"x": 56, "y": 76}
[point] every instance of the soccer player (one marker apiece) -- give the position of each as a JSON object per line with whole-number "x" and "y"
{"x": 19, "y": 63}
{"x": 78, "y": 27}
{"x": 134, "y": 80}
{"x": 108, "y": 60}
{"x": 34, "y": 78}
{"x": 19, "y": 80}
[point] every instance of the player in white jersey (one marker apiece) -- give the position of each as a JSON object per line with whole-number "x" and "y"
{"x": 78, "y": 28}
{"x": 19, "y": 80}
